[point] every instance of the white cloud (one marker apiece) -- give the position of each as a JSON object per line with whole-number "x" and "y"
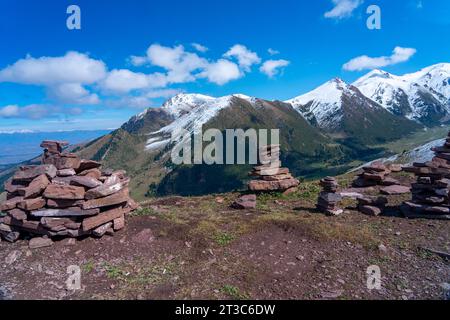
{"x": 221, "y": 72}
{"x": 124, "y": 80}
{"x": 343, "y": 8}
{"x": 36, "y": 111}
{"x": 364, "y": 62}
{"x": 77, "y": 79}
{"x": 142, "y": 100}
{"x": 9, "y": 111}
{"x": 273, "y": 52}
{"x": 244, "y": 56}
{"x": 63, "y": 76}
{"x": 199, "y": 47}
{"x": 138, "y": 61}
{"x": 135, "y": 102}
{"x": 73, "y": 67}
{"x": 183, "y": 66}
{"x": 273, "y": 67}
{"x": 180, "y": 64}
{"x": 162, "y": 93}
{"x": 72, "y": 93}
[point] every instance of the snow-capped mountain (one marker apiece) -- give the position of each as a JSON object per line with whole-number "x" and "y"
{"x": 388, "y": 90}
{"x": 190, "y": 112}
{"x": 341, "y": 108}
{"x": 423, "y": 96}
{"x": 374, "y": 106}
{"x": 435, "y": 78}
{"x": 323, "y": 105}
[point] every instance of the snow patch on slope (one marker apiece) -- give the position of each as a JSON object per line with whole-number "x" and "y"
{"x": 420, "y": 154}
{"x": 324, "y": 103}
{"x": 402, "y": 95}
{"x": 191, "y": 111}
{"x": 436, "y": 78}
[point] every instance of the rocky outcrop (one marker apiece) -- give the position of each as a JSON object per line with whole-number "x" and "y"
{"x": 65, "y": 196}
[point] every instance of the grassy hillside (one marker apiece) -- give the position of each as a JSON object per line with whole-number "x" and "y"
{"x": 303, "y": 148}
{"x": 365, "y": 126}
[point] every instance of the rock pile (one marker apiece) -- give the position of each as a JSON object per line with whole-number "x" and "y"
{"x": 375, "y": 174}
{"x": 430, "y": 194}
{"x": 65, "y": 196}
{"x": 329, "y": 198}
{"x": 272, "y": 177}
{"x": 372, "y": 206}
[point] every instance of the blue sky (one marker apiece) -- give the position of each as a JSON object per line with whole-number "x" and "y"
{"x": 134, "y": 54}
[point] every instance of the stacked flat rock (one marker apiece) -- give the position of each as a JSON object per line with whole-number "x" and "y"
{"x": 372, "y": 206}
{"x": 328, "y": 198}
{"x": 271, "y": 176}
{"x": 375, "y": 174}
{"x": 430, "y": 193}
{"x": 65, "y": 196}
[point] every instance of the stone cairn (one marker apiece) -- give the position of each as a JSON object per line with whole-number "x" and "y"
{"x": 374, "y": 174}
{"x": 430, "y": 194}
{"x": 65, "y": 196}
{"x": 377, "y": 174}
{"x": 271, "y": 176}
{"x": 329, "y": 198}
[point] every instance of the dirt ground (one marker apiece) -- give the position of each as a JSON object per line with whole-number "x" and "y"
{"x": 200, "y": 248}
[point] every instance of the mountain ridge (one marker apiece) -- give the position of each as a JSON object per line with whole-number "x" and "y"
{"x": 355, "y": 129}
{"x": 422, "y": 96}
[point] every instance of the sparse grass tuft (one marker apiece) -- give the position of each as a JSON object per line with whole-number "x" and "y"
{"x": 210, "y": 230}
{"x": 114, "y": 272}
{"x": 143, "y": 212}
{"x": 320, "y": 228}
{"x": 88, "y": 266}
{"x": 224, "y": 239}
{"x": 138, "y": 276}
{"x": 309, "y": 191}
{"x": 234, "y": 292}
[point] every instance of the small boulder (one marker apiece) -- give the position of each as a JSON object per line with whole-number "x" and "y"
{"x": 389, "y": 181}
{"x": 395, "y": 167}
{"x": 382, "y": 248}
{"x": 36, "y": 243}
{"x": 370, "y": 210}
{"x": 65, "y": 172}
{"x": 220, "y": 199}
{"x": 245, "y": 202}
{"x": 290, "y": 191}
{"x": 395, "y": 190}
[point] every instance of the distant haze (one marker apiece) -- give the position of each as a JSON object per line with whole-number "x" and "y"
{"x": 22, "y": 146}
